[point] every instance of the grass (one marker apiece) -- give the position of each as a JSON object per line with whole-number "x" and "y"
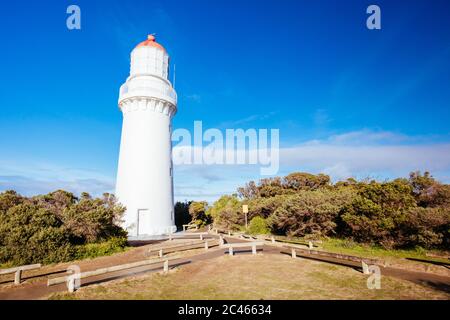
{"x": 107, "y": 248}
{"x": 263, "y": 276}
{"x": 353, "y": 248}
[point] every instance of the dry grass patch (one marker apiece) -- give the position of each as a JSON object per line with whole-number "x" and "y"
{"x": 255, "y": 277}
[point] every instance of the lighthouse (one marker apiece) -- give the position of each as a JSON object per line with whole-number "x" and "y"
{"x": 144, "y": 182}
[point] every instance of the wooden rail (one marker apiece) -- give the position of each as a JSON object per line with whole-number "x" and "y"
{"x": 330, "y": 257}
{"x": 70, "y": 279}
{"x": 189, "y": 226}
{"x": 201, "y": 235}
{"x": 253, "y": 244}
{"x": 183, "y": 247}
{"x": 310, "y": 244}
{"x": 336, "y": 255}
{"x": 18, "y": 271}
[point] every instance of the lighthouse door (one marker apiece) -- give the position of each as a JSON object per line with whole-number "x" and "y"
{"x": 143, "y": 221}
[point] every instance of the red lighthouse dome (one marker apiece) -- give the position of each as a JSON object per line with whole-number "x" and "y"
{"x": 150, "y": 42}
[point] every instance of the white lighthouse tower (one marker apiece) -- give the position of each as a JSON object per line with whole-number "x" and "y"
{"x": 144, "y": 179}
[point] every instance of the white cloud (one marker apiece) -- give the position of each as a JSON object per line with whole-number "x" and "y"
{"x": 32, "y": 178}
{"x": 360, "y": 154}
{"x": 195, "y": 97}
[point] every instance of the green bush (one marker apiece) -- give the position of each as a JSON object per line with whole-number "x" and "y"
{"x": 52, "y": 228}
{"x": 258, "y": 225}
{"x": 199, "y": 213}
{"x": 402, "y": 213}
{"x": 227, "y": 213}
{"x": 93, "y": 250}
{"x": 311, "y": 213}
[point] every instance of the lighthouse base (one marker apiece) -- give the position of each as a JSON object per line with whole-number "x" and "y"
{"x": 150, "y": 233}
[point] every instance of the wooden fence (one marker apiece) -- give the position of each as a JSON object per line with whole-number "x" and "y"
{"x": 18, "y": 271}
{"x": 253, "y": 244}
{"x": 183, "y": 247}
{"x": 71, "y": 279}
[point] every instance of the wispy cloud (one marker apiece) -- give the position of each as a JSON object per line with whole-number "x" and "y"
{"x": 31, "y": 179}
{"x": 31, "y": 186}
{"x": 367, "y": 152}
{"x": 246, "y": 120}
{"x": 321, "y": 118}
{"x": 194, "y": 97}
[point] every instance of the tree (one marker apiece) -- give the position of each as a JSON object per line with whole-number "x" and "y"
{"x": 310, "y": 213}
{"x": 94, "y": 220}
{"x": 377, "y": 211}
{"x": 182, "y": 215}
{"x": 249, "y": 191}
{"x": 198, "y": 212}
{"x": 302, "y": 181}
{"x": 227, "y": 212}
{"x": 427, "y": 191}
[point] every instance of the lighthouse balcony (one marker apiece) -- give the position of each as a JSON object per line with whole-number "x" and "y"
{"x": 165, "y": 92}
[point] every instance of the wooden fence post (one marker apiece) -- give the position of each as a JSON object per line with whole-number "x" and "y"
{"x": 71, "y": 284}
{"x": 293, "y": 253}
{"x": 230, "y": 251}
{"x": 161, "y": 253}
{"x": 206, "y": 245}
{"x": 229, "y": 233}
{"x": 166, "y": 266}
{"x": 365, "y": 268}
{"x": 221, "y": 240}
{"x": 170, "y": 236}
{"x": 273, "y": 239}
{"x": 310, "y": 245}
{"x": 18, "y": 277}
{"x": 201, "y": 236}
{"x": 254, "y": 249}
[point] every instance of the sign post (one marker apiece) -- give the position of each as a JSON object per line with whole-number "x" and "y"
{"x": 245, "y": 211}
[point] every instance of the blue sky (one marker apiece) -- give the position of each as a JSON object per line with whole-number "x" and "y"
{"x": 348, "y": 101}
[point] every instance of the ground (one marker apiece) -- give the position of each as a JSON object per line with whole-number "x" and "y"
{"x": 264, "y": 276}
{"x": 213, "y": 274}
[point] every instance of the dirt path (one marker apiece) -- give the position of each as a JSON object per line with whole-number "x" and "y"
{"x": 37, "y": 289}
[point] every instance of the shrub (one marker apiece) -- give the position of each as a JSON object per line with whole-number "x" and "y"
{"x": 402, "y": 213}
{"x": 425, "y": 227}
{"x": 199, "y": 214}
{"x": 50, "y": 228}
{"x": 227, "y": 212}
{"x": 375, "y": 214}
{"x": 30, "y": 235}
{"x": 93, "y": 250}
{"x": 312, "y": 213}
{"x": 258, "y": 225}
